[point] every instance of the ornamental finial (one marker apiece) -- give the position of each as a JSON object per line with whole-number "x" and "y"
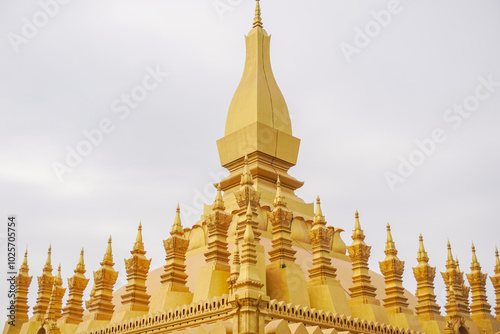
{"x": 177, "y": 227}
{"x": 257, "y": 21}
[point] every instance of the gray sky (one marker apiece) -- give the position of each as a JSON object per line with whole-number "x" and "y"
{"x": 363, "y": 82}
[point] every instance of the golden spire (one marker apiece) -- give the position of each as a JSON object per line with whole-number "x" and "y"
{"x": 357, "y": 233}
{"x": 458, "y": 264}
{"x": 48, "y": 266}
{"x": 279, "y": 200}
{"x": 24, "y": 267}
{"x": 219, "y": 201}
{"x": 246, "y": 176}
{"x": 249, "y": 235}
{"x": 80, "y": 267}
{"x": 257, "y": 21}
{"x": 257, "y": 110}
{"x": 177, "y": 227}
{"x": 139, "y": 245}
{"x": 319, "y": 219}
{"x": 390, "y": 246}
{"x": 108, "y": 256}
{"x": 422, "y": 254}
{"x": 475, "y": 263}
{"x": 58, "y": 280}
{"x": 449, "y": 262}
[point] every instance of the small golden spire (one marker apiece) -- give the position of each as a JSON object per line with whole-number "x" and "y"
{"x": 80, "y": 267}
{"x": 58, "y": 280}
{"x": 279, "y": 200}
{"x": 458, "y": 264}
{"x": 449, "y": 261}
{"x": 422, "y": 254}
{"x": 246, "y": 176}
{"x": 47, "y": 263}
{"x": 248, "y": 237}
{"x": 108, "y": 256}
{"x": 357, "y": 233}
{"x": 24, "y": 267}
{"x": 319, "y": 212}
{"x": 257, "y": 22}
{"x": 318, "y": 216}
{"x": 219, "y": 201}
{"x": 139, "y": 245}
{"x": 475, "y": 264}
{"x": 177, "y": 227}
{"x": 390, "y": 246}
{"x": 48, "y": 266}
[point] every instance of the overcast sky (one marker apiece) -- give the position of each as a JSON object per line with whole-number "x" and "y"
{"x": 364, "y": 82}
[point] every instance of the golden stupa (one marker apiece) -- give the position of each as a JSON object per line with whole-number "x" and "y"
{"x": 261, "y": 260}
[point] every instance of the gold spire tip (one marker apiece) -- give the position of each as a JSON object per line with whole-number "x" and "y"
{"x": 356, "y": 215}
{"x": 257, "y": 22}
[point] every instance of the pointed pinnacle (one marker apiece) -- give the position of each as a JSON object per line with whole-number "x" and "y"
{"x": 47, "y": 263}
{"x": 139, "y": 246}
{"x": 450, "y": 255}
{"x": 497, "y": 258}
{"x": 422, "y": 254}
{"x": 421, "y": 243}
{"x": 58, "y": 279}
{"x": 248, "y": 237}
{"x": 319, "y": 212}
{"x": 389, "y": 235}
{"x": 390, "y": 246}
{"x": 80, "y": 267}
{"x": 279, "y": 200}
{"x": 219, "y": 201}
{"x": 108, "y": 256}
{"x": 357, "y": 234}
{"x": 177, "y": 227}
{"x": 246, "y": 176}
{"x": 257, "y": 22}
{"x": 474, "y": 257}
{"x": 25, "y": 260}
{"x": 458, "y": 264}
{"x": 475, "y": 264}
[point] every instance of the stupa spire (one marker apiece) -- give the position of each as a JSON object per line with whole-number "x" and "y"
{"x": 177, "y": 227}
{"x": 362, "y": 290}
{"x": 258, "y": 122}
{"x": 495, "y": 280}
{"x": 108, "y": 256}
{"x": 279, "y": 200}
{"x": 392, "y": 268}
{"x": 104, "y": 278}
{"x": 173, "y": 291}
{"x": 139, "y": 245}
{"x": 55, "y": 304}
{"x": 480, "y": 309}
{"x": 217, "y": 269}
{"x": 135, "y": 300}
{"x": 257, "y": 21}
{"x": 45, "y": 283}
{"x": 219, "y": 201}
{"x": 23, "y": 281}
{"x": 73, "y": 311}
{"x": 427, "y": 308}
{"x": 24, "y": 267}
{"x": 48, "y": 266}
